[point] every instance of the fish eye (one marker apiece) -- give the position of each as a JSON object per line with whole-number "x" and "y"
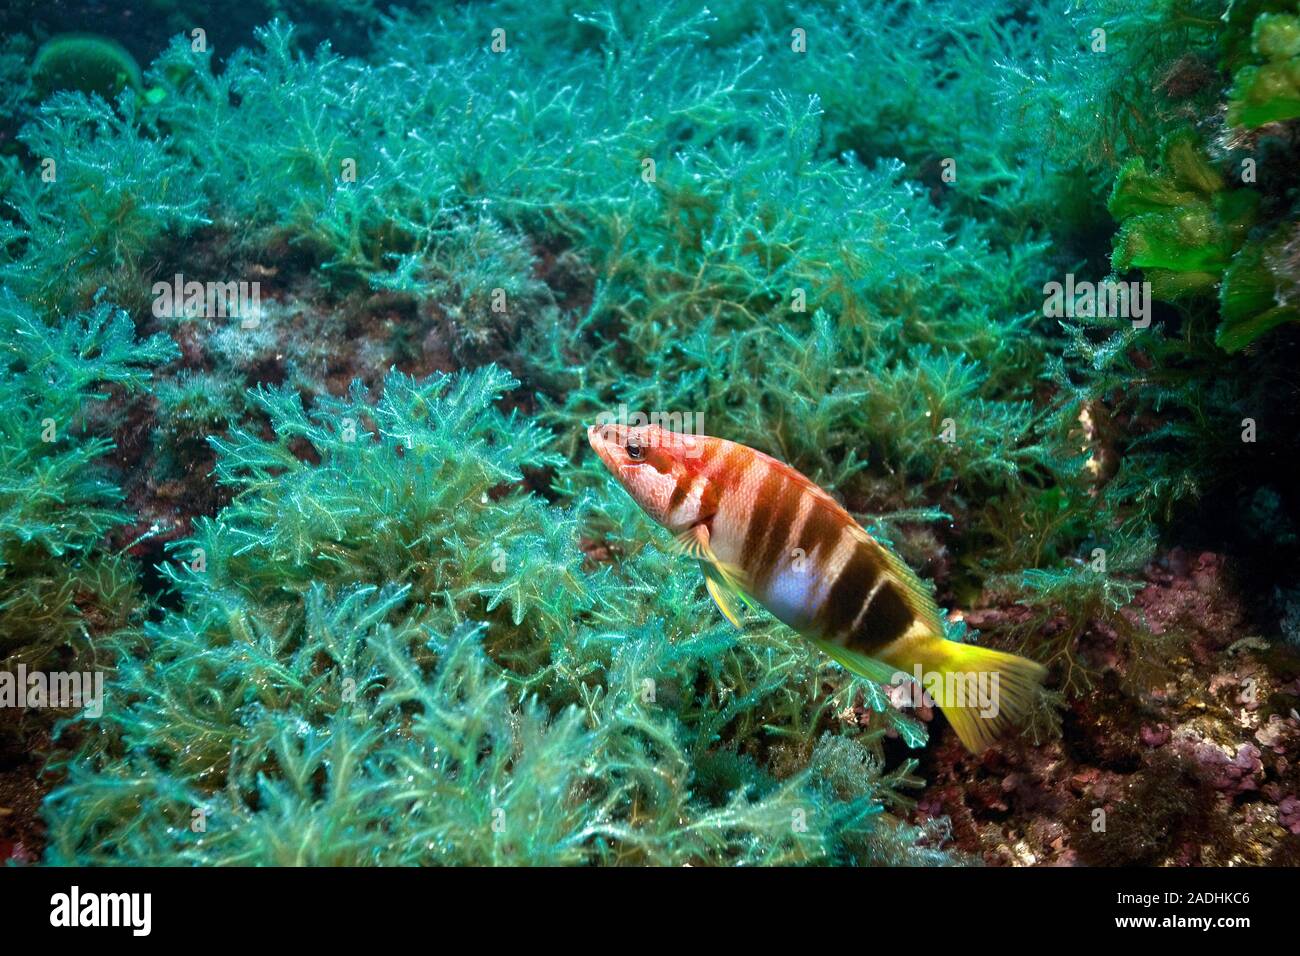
{"x": 635, "y": 451}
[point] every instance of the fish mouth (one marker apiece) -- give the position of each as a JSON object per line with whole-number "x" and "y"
{"x": 600, "y": 445}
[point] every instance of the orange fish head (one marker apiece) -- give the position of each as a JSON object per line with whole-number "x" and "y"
{"x": 658, "y": 468}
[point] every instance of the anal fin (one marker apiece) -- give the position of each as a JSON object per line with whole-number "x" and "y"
{"x": 860, "y": 664}
{"x": 720, "y": 591}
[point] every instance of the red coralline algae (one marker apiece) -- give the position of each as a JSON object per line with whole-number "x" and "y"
{"x": 1278, "y": 734}
{"x": 1225, "y": 772}
{"x": 1156, "y": 736}
{"x": 1288, "y": 814}
{"x": 1186, "y": 590}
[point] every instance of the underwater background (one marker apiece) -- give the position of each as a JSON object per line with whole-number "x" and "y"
{"x": 356, "y": 588}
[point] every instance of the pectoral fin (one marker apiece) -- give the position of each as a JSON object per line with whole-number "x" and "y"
{"x": 694, "y": 541}
{"x": 725, "y": 583}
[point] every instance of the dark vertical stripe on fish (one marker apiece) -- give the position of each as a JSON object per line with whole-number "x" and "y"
{"x": 820, "y": 533}
{"x": 887, "y": 619}
{"x": 766, "y": 499}
{"x": 782, "y": 515}
{"x": 680, "y": 491}
{"x": 844, "y": 600}
{"x": 724, "y": 464}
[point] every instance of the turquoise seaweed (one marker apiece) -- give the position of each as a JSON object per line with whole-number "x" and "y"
{"x": 102, "y": 199}
{"x": 693, "y": 276}
{"x": 334, "y": 670}
{"x": 57, "y": 500}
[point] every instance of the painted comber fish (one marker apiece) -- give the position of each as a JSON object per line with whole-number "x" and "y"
{"x": 763, "y": 533}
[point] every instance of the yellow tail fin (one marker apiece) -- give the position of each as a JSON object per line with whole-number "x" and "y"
{"x": 983, "y": 692}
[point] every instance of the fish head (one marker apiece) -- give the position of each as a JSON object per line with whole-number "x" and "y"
{"x": 658, "y": 468}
